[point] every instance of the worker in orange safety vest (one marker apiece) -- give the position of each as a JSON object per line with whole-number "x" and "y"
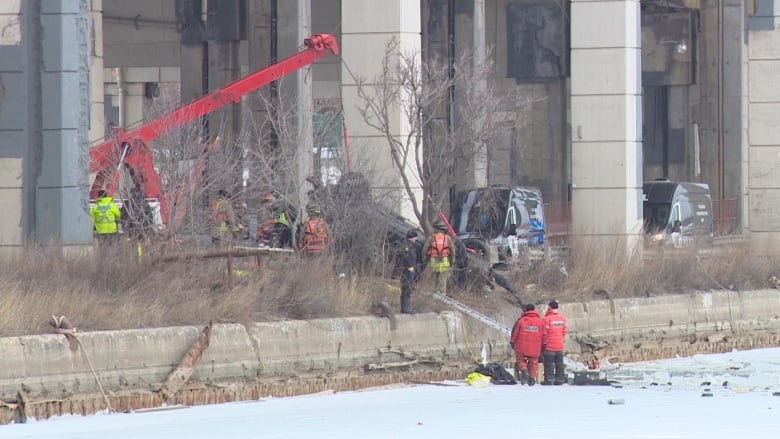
{"x": 315, "y": 233}
{"x": 223, "y": 220}
{"x": 438, "y": 253}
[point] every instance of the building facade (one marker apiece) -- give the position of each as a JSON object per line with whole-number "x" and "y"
{"x": 622, "y": 91}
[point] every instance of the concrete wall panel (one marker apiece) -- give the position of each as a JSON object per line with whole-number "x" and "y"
{"x": 10, "y": 222}
{"x": 363, "y": 55}
{"x": 762, "y": 81}
{"x": 764, "y": 46}
{"x": 764, "y": 210}
{"x": 11, "y": 7}
{"x": 159, "y": 9}
{"x": 605, "y": 208}
{"x": 358, "y": 127}
{"x": 595, "y": 78}
{"x": 141, "y": 74}
{"x": 73, "y": 225}
{"x": 139, "y": 360}
{"x": 331, "y": 343}
{"x": 590, "y": 112}
{"x": 12, "y": 114}
{"x": 61, "y": 7}
{"x": 142, "y": 54}
{"x": 606, "y": 164}
{"x": 12, "y": 144}
{"x": 59, "y": 111}
{"x": 11, "y": 34}
{"x": 387, "y": 16}
{"x": 371, "y": 155}
{"x": 763, "y": 164}
{"x": 622, "y": 29}
{"x": 759, "y": 303}
{"x": 140, "y": 33}
{"x": 12, "y": 59}
{"x": 63, "y": 34}
{"x": 170, "y": 74}
{"x": 230, "y": 353}
{"x": 763, "y": 242}
{"x": 762, "y": 124}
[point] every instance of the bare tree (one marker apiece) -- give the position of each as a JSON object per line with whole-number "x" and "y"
{"x": 357, "y": 231}
{"x": 273, "y": 154}
{"x": 180, "y": 156}
{"x": 430, "y": 147}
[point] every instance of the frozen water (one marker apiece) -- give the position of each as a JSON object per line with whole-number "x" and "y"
{"x": 661, "y": 399}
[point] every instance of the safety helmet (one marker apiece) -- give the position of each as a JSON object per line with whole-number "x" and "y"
{"x": 267, "y": 198}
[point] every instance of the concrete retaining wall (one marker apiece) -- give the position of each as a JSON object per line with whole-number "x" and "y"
{"x": 658, "y": 327}
{"x": 44, "y": 367}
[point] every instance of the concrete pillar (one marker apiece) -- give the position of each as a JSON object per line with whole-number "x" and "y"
{"x": 223, "y": 69}
{"x": 61, "y": 198}
{"x": 366, "y": 29}
{"x": 470, "y": 40}
{"x": 762, "y": 136}
{"x": 97, "y": 128}
{"x": 14, "y": 113}
{"x": 258, "y": 35}
{"x": 192, "y": 71}
{"x": 437, "y": 28}
{"x": 47, "y": 108}
{"x": 606, "y": 123}
{"x": 732, "y": 48}
{"x": 294, "y": 25}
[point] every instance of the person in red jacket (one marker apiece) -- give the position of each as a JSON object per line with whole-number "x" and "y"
{"x": 527, "y": 342}
{"x": 553, "y": 344}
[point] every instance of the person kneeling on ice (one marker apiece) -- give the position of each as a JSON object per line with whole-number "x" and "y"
{"x": 527, "y": 342}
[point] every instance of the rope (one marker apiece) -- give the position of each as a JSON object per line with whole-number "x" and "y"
{"x": 62, "y": 326}
{"x": 466, "y": 337}
{"x": 465, "y": 334}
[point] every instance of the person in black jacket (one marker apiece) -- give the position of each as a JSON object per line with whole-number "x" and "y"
{"x": 409, "y": 266}
{"x": 136, "y": 215}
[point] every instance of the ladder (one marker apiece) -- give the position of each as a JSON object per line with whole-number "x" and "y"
{"x": 472, "y": 313}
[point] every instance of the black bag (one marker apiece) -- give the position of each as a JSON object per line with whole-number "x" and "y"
{"x": 497, "y": 373}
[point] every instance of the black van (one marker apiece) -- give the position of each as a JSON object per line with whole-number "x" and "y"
{"x": 677, "y": 214}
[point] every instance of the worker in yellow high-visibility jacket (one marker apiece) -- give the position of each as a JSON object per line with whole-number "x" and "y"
{"x": 105, "y": 218}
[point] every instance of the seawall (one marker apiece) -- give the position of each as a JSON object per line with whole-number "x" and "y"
{"x": 45, "y": 375}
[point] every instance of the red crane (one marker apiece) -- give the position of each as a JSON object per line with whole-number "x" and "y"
{"x": 131, "y": 148}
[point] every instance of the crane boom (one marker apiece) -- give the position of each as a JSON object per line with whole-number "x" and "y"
{"x": 131, "y": 148}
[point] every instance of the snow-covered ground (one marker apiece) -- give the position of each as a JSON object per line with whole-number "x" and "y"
{"x": 660, "y": 399}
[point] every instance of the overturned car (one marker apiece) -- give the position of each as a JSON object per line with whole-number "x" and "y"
{"x": 501, "y": 223}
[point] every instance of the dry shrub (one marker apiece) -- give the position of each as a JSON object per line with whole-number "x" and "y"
{"x": 602, "y": 272}
{"x": 110, "y": 290}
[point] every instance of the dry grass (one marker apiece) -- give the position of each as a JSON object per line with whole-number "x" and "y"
{"x": 600, "y": 273}
{"x": 111, "y": 290}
